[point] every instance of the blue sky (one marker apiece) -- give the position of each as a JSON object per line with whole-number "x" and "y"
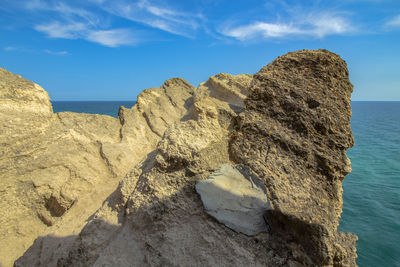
{"x": 113, "y": 49}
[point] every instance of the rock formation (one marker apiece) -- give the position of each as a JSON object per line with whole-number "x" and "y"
{"x": 57, "y": 169}
{"x": 294, "y": 133}
{"x": 280, "y": 135}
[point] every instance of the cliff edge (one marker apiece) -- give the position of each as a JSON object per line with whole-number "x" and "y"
{"x": 243, "y": 170}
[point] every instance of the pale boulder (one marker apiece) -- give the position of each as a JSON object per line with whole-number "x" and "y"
{"x": 235, "y": 200}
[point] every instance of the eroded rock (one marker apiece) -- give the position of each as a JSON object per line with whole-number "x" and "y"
{"x": 57, "y": 169}
{"x": 292, "y": 132}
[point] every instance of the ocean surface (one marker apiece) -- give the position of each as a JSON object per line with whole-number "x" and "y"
{"x": 109, "y": 108}
{"x": 371, "y": 195}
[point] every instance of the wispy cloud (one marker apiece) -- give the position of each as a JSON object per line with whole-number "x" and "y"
{"x": 262, "y": 29}
{"x": 27, "y": 50}
{"x": 77, "y": 30}
{"x": 56, "y": 53}
{"x": 93, "y": 20}
{"x": 158, "y": 11}
{"x": 111, "y": 38}
{"x": 9, "y": 48}
{"x": 327, "y": 24}
{"x": 312, "y": 25}
{"x": 66, "y": 11}
{"x": 57, "y": 29}
{"x": 96, "y": 21}
{"x": 155, "y": 16}
{"x": 18, "y": 49}
{"x": 394, "y": 22}
{"x": 35, "y": 4}
{"x": 78, "y": 23}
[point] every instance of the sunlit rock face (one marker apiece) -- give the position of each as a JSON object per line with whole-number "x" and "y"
{"x": 278, "y": 137}
{"x": 57, "y": 169}
{"x": 236, "y": 199}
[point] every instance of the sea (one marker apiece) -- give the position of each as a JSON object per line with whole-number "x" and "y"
{"x": 371, "y": 192}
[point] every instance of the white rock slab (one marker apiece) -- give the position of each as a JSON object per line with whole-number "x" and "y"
{"x": 237, "y": 201}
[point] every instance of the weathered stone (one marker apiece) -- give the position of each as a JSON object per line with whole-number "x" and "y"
{"x": 294, "y": 134}
{"x": 235, "y": 200}
{"x": 57, "y": 169}
{"x": 291, "y": 132}
{"x": 227, "y": 88}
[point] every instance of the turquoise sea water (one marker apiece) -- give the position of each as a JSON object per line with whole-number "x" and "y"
{"x": 95, "y": 107}
{"x": 371, "y": 195}
{"x": 371, "y": 207}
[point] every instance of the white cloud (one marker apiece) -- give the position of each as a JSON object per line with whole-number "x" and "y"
{"x": 311, "y": 25}
{"x": 261, "y": 28}
{"x": 394, "y": 22}
{"x": 28, "y": 50}
{"x": 163, "y": 18}
{"x": 78, "y": 23}
{"x": 10, "y": 48}
{"x": 18, "y": 49}
{"x": 35, "y": 4}
{"x": 59, "y": 30}
{"x": 56, "y": 53}
{"x": 111, "y": 38}
{"x": 157, "y": 11}
{"x": 71, "y": 20}
{"x": 72, "y": 13}
{"x": 60, "y": 7}
{"x": 328, "y": 25}
{"x": 64, "y": 11}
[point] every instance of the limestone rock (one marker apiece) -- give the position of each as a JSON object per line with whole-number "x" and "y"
{"x": 57, "y": 169}
{"x": 292, "y": 132}
{"x": 235, "y": 200}
{"x": 155, "y": 217}
{"x": 227, "y": 88}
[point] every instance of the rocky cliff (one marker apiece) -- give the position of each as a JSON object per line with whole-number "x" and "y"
{"x": 243, "y": 170}
{"x": 57, "y": 169}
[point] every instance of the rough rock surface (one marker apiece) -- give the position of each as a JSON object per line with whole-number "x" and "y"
{"x": 294, "y": 134}
{"x": 291, "y": 131}
{"x": 57, "y": 169}
{"x": 235, "y": 198}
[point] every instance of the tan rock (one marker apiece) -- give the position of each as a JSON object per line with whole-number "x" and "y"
{"x": 292, "y": 132}
{"x": 290, "y": 138}
{"x": 156, "y": 214}
{"x": 227, "y": 88}
{"x": 57, "y": 169}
